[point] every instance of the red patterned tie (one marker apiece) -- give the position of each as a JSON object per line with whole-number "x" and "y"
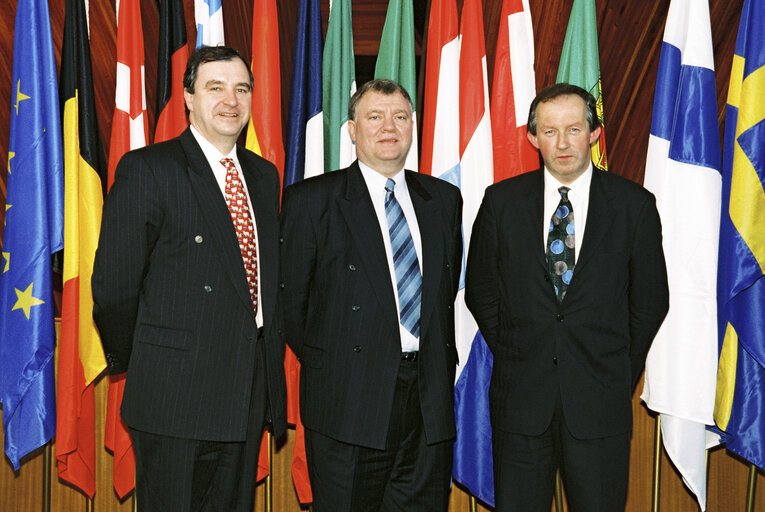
{"x": 236, "y": 199}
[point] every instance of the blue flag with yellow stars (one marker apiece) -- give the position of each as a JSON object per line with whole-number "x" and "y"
{"x": 34, "y": 230}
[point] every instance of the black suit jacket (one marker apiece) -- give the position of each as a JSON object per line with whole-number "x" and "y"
{"x": 339, "y": 307}
{"x": 171, "y": 297}
{"x": 591, "y": 347}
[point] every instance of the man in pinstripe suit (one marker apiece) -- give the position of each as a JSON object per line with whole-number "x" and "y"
{"x": 377, "y": 376}
{"x": 186, "y": 301}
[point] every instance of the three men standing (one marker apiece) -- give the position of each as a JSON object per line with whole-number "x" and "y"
{"x": 567, "y": 281}
{"x": 185, "y": 288}
{"x": 371, "y": 258}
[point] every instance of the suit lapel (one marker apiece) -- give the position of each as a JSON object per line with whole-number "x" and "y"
{"x": 428, "y": 220}
{"x": 359, "y": 213}
{"x": 600, "y": 216}
{"x": 534, "y": 211}
{"x": 215, "y": 212}
{"x": 265, "y": 223}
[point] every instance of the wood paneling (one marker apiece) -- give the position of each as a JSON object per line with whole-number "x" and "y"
{"x": 630, "y": 35}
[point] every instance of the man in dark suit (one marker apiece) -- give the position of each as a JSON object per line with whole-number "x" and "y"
{"x": 371, "y": 261}
{"x": 567, "y": 281}
{"x": 185, "y": 289}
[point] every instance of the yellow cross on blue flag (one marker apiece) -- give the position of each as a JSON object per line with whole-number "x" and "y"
{"x": 34, "y": 217}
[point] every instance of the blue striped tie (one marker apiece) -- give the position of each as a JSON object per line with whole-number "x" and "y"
{"x": 408, "y": 277}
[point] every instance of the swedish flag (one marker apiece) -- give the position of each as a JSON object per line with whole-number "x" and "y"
{"x": 740, "y": 401}
{"x": 34, "y": 230}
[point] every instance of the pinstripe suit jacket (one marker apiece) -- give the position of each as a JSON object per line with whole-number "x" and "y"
{"x": 339, "y": 308}
{"x": 171, "y": 297}
{"x": 589, "y": 349}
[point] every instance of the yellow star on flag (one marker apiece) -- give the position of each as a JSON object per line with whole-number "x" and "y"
{"x": 11, "y": 154}
{"x": 26, "y": 300}
{"x": 20, "y": 96}
{"x": 7, "y": 258}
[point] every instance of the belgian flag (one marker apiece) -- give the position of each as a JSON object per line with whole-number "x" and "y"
{"x": 171, "y": 64}
{"x": 81, "y": 356}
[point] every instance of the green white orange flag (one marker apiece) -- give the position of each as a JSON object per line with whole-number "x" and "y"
{"x": 81, "y": 357}
{"x": 580, "y": 64}
{"x": 339, "y": 84}
{"x": 395, "y": 60}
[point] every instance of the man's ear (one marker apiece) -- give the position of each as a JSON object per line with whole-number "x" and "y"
{"x": 533, "y": 139}
{"x": 594, "y": 135}
{"x": 352, "y": 130}
{"x": 187, "y": 98}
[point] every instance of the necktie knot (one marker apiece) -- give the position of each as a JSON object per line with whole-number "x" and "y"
{"x": 564, "y": 192}
{"x": 390, "y": 185}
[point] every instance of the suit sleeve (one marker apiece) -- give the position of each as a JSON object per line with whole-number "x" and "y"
{"x": 457, "y": 237}
{"x": 129, "y": 227}
{"x": 482, "y": 273}
{"x": 297, "y": 263}
{"x": 648, "y": 287}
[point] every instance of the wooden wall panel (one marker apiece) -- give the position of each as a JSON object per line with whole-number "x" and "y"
{"x": 630, "y": 41}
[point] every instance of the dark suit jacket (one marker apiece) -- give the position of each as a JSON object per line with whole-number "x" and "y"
{"x": 592, "y": 347}
{"x": 339, "y": 307}
{"x": 171, "y": 295}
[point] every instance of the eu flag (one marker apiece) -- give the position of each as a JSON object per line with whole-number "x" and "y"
{"x": 34, "y": 230}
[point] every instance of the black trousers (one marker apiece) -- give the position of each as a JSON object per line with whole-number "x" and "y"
{"x": 408, "y": 475}
{"x": 177, "y": 474}
{"x": 595, "y": 472}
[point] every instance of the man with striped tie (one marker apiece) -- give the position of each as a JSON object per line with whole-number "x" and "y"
{"x": 371, "y": 258}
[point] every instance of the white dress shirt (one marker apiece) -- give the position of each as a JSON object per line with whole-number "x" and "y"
{"x": 214, "y": 156}
{"x": 578, "y": 194}
{"x": 376, "y": 185}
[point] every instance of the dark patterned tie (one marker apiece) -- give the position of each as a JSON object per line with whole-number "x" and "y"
{"x": 236, "y": 200}
{"x": 405, "y": 263}
{"x": 560, "y": 245}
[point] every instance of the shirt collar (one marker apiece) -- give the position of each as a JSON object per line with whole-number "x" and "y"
{"x": 377, "y": 181}
{"x": 580, "y": 186}
{"x": 213, "y": 154}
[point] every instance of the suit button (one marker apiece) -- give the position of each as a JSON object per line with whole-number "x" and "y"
{"x": 250, "y": 338}
{"x": 355, "y": 307}
{"x": 559, "y": 318}
{"x": 281, "y": 240}
{"x": 198, "y": 239}
{"x": 281, "y": 285}
{"x": 448, "y": 345}
{"x": 547, "y": 278}
{"x": 208, "y": 288}
{"x": 555, "y": 360}
{"x": 351, "y": 267}
{"x": 448, "y": 266}
{"x": 357, "y": 348}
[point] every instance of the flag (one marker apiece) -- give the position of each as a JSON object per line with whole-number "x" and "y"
{"x": 81, "y": 357}
{"x": 512, "y": 92}
{"x": 740, "y": 403}
{"x": 580, "y": 64}
{"x": 304, "y": 158}
{"x": 34, "y": 230}
{"x": 209, "y": 17}
{"x": 472, "y": 449}
{"x": 171, "y": 64}
{"x": 305, "y": 135}
{"x": 395, "y": 60}
{"x": 264, "y": 131}
{"x": 338, "y": 85}
{"x": 683, "y": 172}
{"x": 440, "y": 121}
{"x": 130, "y": 130}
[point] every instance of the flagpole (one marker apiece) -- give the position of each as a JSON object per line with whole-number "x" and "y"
{"x": 89, "y": 505}
{"x": 473, "y": 504}
{"x": 656, "y": 466}
{"x": 558, "y": 492}
{"x": 269, "y": 480}
{"x": 47, "y": 468}
{"x": 751, "y": 488}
